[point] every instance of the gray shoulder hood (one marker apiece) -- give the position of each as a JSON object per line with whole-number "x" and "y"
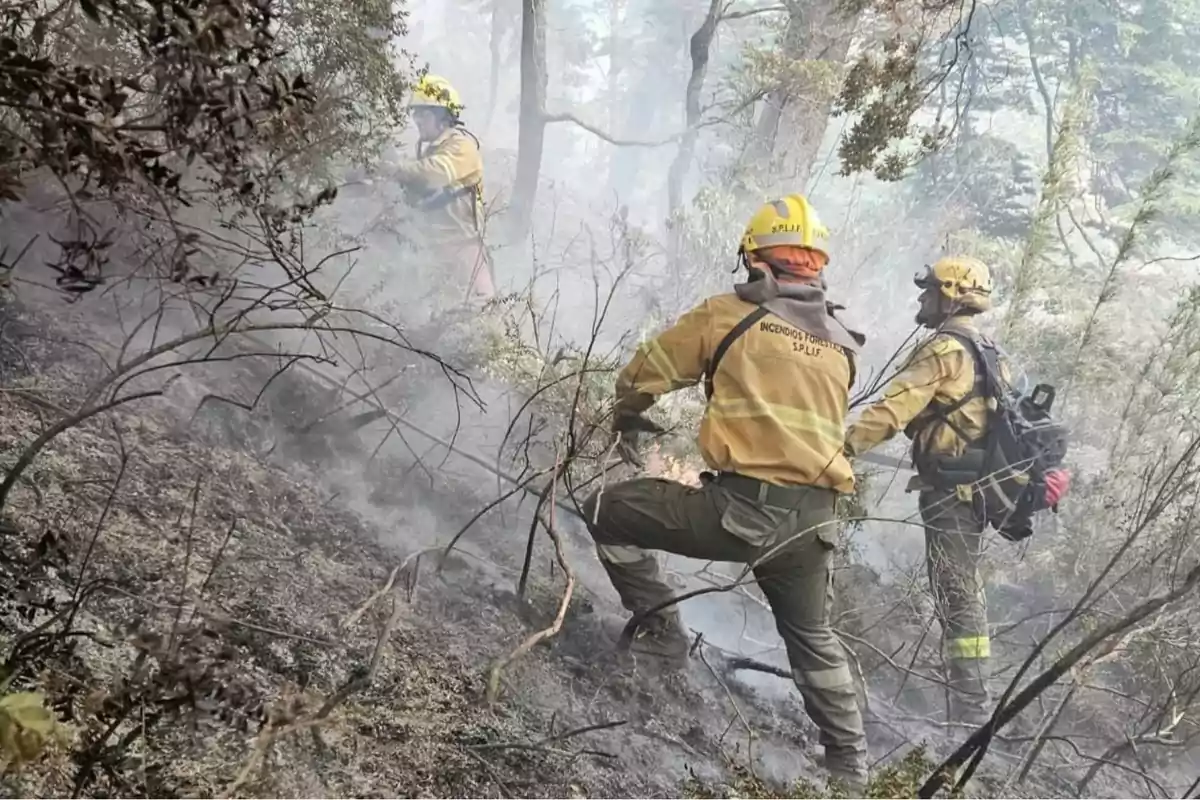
{"x": 802, "y": 305}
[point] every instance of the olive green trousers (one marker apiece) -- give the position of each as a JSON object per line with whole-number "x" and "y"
{"x": 718, "y": 524}
{"x": 953, "y": 552}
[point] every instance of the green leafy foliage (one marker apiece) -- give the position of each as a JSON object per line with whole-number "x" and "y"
{"x": 218, "y": 86}
{"x": 1150, "y": 86}
{"x": 160, "y": 105}
{"x": 885, "y": 91}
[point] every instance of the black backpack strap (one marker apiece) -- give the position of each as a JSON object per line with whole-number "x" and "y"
{"x": 735, "y": 332}
{"x": 987, "y": 364}
{"x": 984, "y": 358}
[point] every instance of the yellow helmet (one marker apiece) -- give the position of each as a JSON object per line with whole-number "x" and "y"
{"x": 965, "y": 281}
{"x": 790, "y": 220}
{"x": 434, "y": 90}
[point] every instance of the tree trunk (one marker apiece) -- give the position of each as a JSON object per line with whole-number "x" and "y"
{"x": 615, "y": 65}
{"x": 698, "y": 48}
{"x": 787, "y": 137}
{"x": 496, "y": 46}
{"x": 532, "y": 133}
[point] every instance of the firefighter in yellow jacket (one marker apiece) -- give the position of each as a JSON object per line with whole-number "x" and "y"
{"x": 936, "y": 399}
{"x": 445, "y": 183}
{"x": 777, "y": 368}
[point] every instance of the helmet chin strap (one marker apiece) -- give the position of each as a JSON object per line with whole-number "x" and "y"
{"x": 755, "y": 272}
{"x": 743, "y": 262}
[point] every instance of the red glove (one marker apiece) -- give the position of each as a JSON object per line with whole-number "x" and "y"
{"x": 1057, "y": 483}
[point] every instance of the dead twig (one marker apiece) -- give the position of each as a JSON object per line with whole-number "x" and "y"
{"x": 493, "y": 688}
{"x": 737, "y": 710}
{"x": 31, "y": 451}
{"x": 413, "y": 559}
{"x": 360, "y": 680}
{"x": 544, "y": 744}
{"x": 523, "y": 486}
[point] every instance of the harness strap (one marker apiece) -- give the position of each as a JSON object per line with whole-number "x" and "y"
{"x": 986, "y": 370}
{"x": 746, "y": 323}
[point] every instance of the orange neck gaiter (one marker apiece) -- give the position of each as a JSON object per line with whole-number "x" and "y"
{"x": 791, "y": 262}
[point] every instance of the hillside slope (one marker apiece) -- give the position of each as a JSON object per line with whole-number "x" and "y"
{"x": 210, "y": 619}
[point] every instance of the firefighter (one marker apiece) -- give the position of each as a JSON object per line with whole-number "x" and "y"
{"x": 936, "y": 399}
{"x": 777, "y": 368}
{"x": 445, "y": 183}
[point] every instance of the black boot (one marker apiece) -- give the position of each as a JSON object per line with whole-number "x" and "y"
{"x": 662, "y": 636}
{"x": 969, "y": 702}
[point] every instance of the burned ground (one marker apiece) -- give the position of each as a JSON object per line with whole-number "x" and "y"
{"x": 190, "y": 607}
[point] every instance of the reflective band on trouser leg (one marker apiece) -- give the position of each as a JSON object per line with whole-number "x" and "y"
{"x": 969, "y": 647}
{"x": 832, "y": 678}
{"x": 620, "y": 553}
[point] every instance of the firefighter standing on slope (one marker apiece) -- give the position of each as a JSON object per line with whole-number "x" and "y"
{"x": 936, "y": 399}
{"x": 445, "y": 182}
{"x": 773, "y": 432}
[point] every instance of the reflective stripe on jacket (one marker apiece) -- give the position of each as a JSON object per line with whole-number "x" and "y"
{"x": 779, "y": 400}
{"x": 447, "y": 179}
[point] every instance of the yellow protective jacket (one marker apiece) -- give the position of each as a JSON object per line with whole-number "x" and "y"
{"x": 941, "y": 371}
{"x": 446, "y": 183}
{"x": 778, "y": 408}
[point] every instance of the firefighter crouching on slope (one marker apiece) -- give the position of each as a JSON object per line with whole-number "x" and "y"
{"x": 773, "y": 432}
{"x": 445, "y": 182}
{"x": 936, "y": 399}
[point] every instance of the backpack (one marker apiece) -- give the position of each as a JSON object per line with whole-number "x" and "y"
{"x": 1016, "y": 467}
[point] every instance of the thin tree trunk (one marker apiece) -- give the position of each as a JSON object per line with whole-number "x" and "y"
{"x": 496, "y": 46}
{"x": 532, "y": 134}
{"x": 698, "y": 47}
{"x": 615, "y": 55}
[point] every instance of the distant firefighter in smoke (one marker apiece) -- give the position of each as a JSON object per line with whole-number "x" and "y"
{"x": 445, "y": 184}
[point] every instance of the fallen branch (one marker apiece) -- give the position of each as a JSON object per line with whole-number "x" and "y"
{"x": 35, "y": 399}
{"x": 754, "y": 665}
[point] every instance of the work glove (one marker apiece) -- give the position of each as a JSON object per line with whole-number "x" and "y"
{"x": 629, "y": 429}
